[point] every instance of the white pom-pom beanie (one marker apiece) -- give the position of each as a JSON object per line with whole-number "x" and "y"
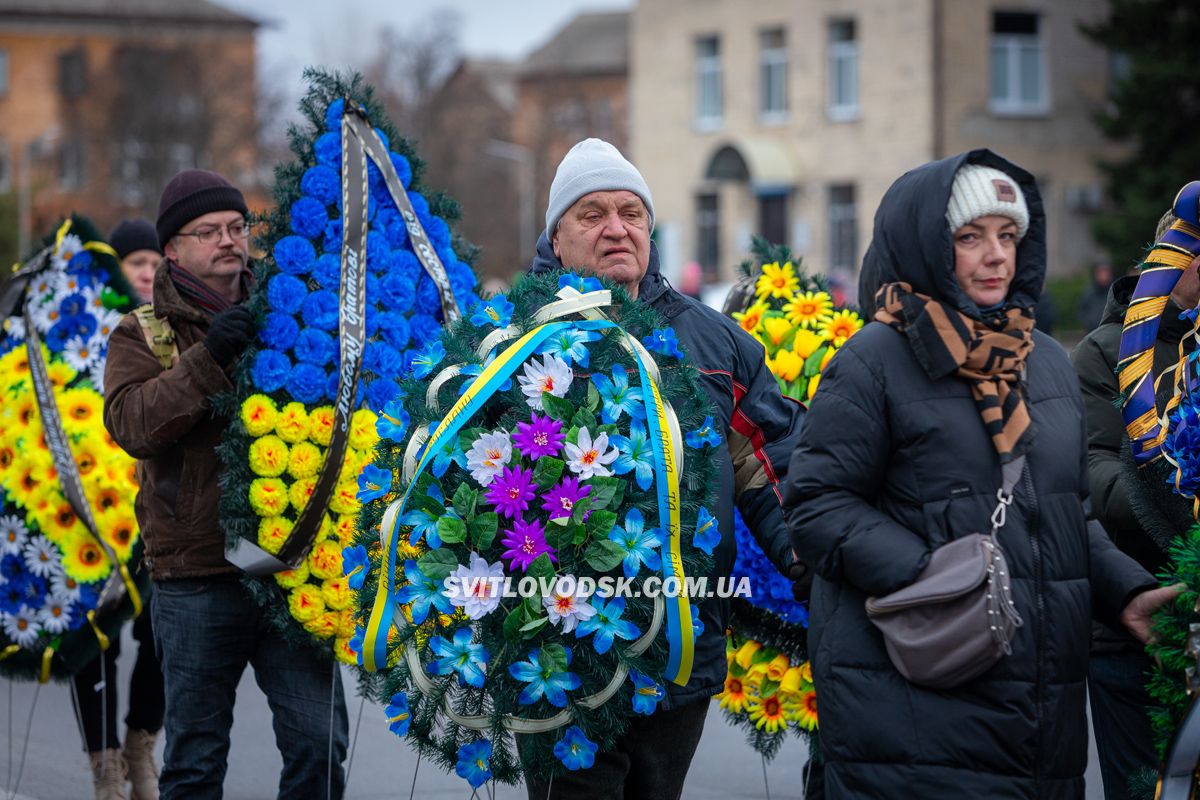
{"x": 593, "y": 165}
{"x": 981, "y": 191}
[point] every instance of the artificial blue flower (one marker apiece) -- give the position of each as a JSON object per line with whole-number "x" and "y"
{"x": 382, "y": 391}
{"x": 636, "y": 455}
{"x": 270, "y": 371}
{"x": 393, "y": 421}
{"x": 356, "y": 643}
{"x": 322, "y": 184}
{"x": 379, "y": 254}
{"x": 473, "y": 763}
{"x": 618, "y": 396}
{"x": 575, "y": 750}
{"x": 398, "y": 715}
{"x": 706, "y": 434}
{"x": 496, "y": 312}
{"x": 373, "y": 482}
{"x": 286, "y": 293}
{"x": 396, "y": 292}
{"x": 320, "y": 310}
{"x": 314, "y": 347}
{"x": 428, "y": 359}
{"x": 80, "y": 262}
{"x": 423, "y": 592}
{"x": 646, "y": 693}
{"x": 424, "y": 328}
{"x": 570, "y": 346}
{"x": 382, "y": 359}
{"x": 543, "y": 681}
{"x": 328, "y": 150}
{"x": 663, "y": 340}
{"x": 424, "y": 525}
{"x": 428, "y": 297}
{"x": 331, "y": 242}
{"x": 452, "y": 453}
{"x": 308, "y": 217}
{"x": 306, "y": 383}
{"x": 73, "y": 304}
{"x": 579, "y": 283}
{"x": 697, "y": 623}
{"x": 406, "y": 264}
{"x": 475, "y": 370}
{"x": 640, "y": 545}
{"x": 295, "y": 255}
{"x": 707, "y": 534}
{"x": 34, "y": 589}
{"x": 460, "y": 656}
{"x": 56, "y": 338}
{"x": 333, "y": 115}
{"x": 403, "y": 170}
{"x": 12, "y": 568}
{"x": 355, "y": 565}
{"x": 327, "y": 271}
{"x": 607, "y": 624}
{"x": 12, "y": 595}
{"x": 439, "y": 233}
{"x": 279, "y": 331}
{"x": 394, "y": 327}
{"x": 420, "y": 208}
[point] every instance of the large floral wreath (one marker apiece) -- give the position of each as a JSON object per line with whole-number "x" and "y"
{"x": 53, "y": 571}
{"x": 287, "y": 385}
{"x": 538, "y": 445}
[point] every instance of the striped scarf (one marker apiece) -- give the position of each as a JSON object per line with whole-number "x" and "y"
{"x": 197, "y": 292}
{"x": 990, "y": 357}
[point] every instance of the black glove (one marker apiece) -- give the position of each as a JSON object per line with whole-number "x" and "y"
{"x": 801, "y": 578}
{"x": 229, "y": 333}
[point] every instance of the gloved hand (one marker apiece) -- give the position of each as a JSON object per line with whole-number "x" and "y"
{"x": 229, "y": 334}
{"x": 801, "y": 578}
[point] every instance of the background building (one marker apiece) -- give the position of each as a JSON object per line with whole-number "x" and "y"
{"x": 790, "y": 118}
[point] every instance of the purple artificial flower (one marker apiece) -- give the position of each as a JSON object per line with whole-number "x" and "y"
{"x": 542, "y": 436}
{"x": 511, "y": 491}
{"x": 560, "y": 501}
{"x": 525, "y": 542}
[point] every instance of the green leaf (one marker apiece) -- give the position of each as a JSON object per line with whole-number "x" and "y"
{"x": 593, "y": 398}
{"x": 437, "y": 564}
{"x": 541, "y": 567}
{"x": 606, "y": 492}
{"x": 812, "y": 364}
{"x": 548, "y": 471}
{"x": 600, "y": 523}
{"x": 467, "y": 437}
{"x": 513, "y": 623}
{"x": 580, "y": 510}
{"x": 560, "y": 537}
{"x": 530, "y": 629}
{"x": 584, "y": 419}
{"x": 610, "y": 429}
{"x": 580, "y": 535}
{"x": 483, "y": 529}
{"x": 603, "y": 555}
{"x": 464, "y": 501}
{"x": 452, "y": 530}
{"x": 553, "y": 657}
{"x": 430, "y": 506}
{"x": 557, "y": 407}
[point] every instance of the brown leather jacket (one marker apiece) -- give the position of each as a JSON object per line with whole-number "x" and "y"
{"x": 164, "y": 419}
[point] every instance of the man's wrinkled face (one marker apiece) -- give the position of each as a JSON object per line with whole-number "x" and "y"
{"x": 222, "y": 257}
{"x": 606, "y": 234}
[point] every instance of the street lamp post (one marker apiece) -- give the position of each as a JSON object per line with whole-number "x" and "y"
{"x": 523, "y": 156}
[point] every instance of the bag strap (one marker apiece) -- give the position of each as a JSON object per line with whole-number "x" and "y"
{"x": 159, "y": 336}
{"x": 1010, "y": 474}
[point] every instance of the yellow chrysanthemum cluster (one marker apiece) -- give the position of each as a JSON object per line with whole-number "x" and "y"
{"x": 763, "y": 684}
{"x": 801, "y": 330}
{"x": 286, "y": 453}
{"x": 30, "y": 480}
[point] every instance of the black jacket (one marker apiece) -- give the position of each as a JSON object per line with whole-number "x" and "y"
{"x": 892, "y": 464}
{"x": 759, "y": 428}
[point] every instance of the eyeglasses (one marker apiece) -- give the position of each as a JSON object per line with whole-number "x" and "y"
{"x": 237, "y": 230}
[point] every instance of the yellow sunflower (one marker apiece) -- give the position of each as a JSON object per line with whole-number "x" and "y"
{"x": 80, "y": 408}
{"x": 61, "y": 524}
{"x": 777, "y": 281}
{"x": 777, "y": 329}
{"x": 15, "y": 363}
{"x": 325, "y": 560}
{"x": 120, "y": 532}
{"x": 337, "y": 593}
{"x": 292, "y": 424}
{"x": 809, "y": 309}
{"x": 768, "y": 713}
{"x": 258, "y": 415}
{"x": 734, "y": 697}
{"x": 273, "y": 532}
{"x": 290, "y": 579}
{"x": 362, "y": 430}
{"x": 305, "y": 602}
{"x": 841, "y": 326}
{"x": 87, "y": 459}
{"x": 84, "y": 559}
{"x": 60, "y": 373}
{"x": 805, "y": 711}
{"x": 305, "y": 460}
{"x": 320, "y": 421}
{"x": 751, "y": 318}
{"x": 787, "y": 365}
{"x": 106, "y": 497}
{"x": 268, "y": 456}
{"x": 268, "y": 497}
{"x": 8, "y": 456}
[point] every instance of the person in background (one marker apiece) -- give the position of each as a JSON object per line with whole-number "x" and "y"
{"x": 136, "y": 243}
{"x": 1095, "y": 298}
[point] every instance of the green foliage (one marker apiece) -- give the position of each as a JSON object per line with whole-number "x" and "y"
{"x": 1168, "y": 683}
{"x": 1155, "y": 108}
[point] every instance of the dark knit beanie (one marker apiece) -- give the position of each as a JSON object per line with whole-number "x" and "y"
{"x": 132, "y": 235}
{"x": 194, "y": 193}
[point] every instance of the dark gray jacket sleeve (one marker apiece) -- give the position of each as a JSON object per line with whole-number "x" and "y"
{"x": 829, "y": 500}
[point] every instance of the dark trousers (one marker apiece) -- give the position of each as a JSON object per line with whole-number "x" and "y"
{"x": 207, "y": 631}
{"x": 650, "y": 761}
{"x": 96, "y": 686}
{"x": 1124, "y": 741}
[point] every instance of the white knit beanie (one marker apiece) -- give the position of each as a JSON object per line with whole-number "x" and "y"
{"x": 593, "y": 165}
{"x": 981, "y": 191}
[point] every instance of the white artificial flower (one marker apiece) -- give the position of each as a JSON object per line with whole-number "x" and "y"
{"x": 82, "y": 354}
{"x": 488, "y": 456}
{"x": 46, "y": 313}
{"x": 97, "y": 376}
{"x": 552, "y": 375}
{"x": 106, "y": 322}
{"x": 589, "y": 458}
{"x": 67, "y": 248}
{"x": 13, "y": 534}
{"x": 479, "y": 587}
{"x": 42, "y": 286}
{"x": 64, "y": 586}
{"x": 65, "y": 283}
{"x": 22, "y": 627}
{"x": 41, "y": 556}
{"x": 567, "y": 603}
{"x": 55, "y": 616}
{"x": 14, "y": 328}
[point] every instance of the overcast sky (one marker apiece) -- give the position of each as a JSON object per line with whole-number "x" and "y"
{"x": 303, "y": 32}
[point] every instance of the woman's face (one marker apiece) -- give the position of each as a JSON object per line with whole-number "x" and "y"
{"x": 139, "y": 268}
{"x": 985, "y": 258}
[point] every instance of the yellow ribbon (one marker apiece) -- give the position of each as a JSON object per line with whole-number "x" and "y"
{"x": 100, "y": 637}
{"x": 47, "y": 655}
{"x": 12, "y": 649}
{"x": 95, "y": 247}
{"x": 135, "y": 597}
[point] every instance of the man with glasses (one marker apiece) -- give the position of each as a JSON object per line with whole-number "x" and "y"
{"x": 158, "y": 408}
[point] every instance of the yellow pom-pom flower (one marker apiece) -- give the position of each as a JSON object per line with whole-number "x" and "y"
{"x": 777, "y": 281}
{"x": 344, "y": 499}
{"x": 343, "y": 651}
{"x": 345, "y": 528}
{"x": 304, "y": 460}
{"x": 362, "y": 430}
{"x": 320, "y": 421}
{"x": 268, "y": 456}
{"x": 809, "y": 309}
{"x": 290, "y": 579}
{"x": 84, "y": 560}
{"x": 346, "y": 623}
{"x": 337, "y": 593}
{"x": 292, "y": 424}
{"x": 325, "y": 560}
{"x": 323, "y": 626}
{"x": 840, "y": 327}
{"x": 300, "y": 492}
{"x": 258, "y": 415}
{"x": 268, "y": 496}
{"x": 273, "y": 532}
{"x": 305, "y": 602}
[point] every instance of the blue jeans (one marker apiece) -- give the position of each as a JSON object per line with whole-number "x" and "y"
{"x": 1124, "y": 740}
{"x": 206, "y": 632}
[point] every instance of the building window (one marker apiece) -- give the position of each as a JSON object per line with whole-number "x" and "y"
{"x": 72, "y": 73}
{"x": 708, "y": 236}
{"x": 1018, "y": 84}
{"x": 71, "y": 165}
{"x": 843, "y": 227}
{"x": 773, "y": 217}
{"x": 772, "y": 71}
{"x": 3, "y": 72}
{"x": 843, "y": 70}
{"x": 708, "y": 82}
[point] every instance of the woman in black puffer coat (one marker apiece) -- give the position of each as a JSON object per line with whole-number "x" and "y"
{"x": 895, "y": 460}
